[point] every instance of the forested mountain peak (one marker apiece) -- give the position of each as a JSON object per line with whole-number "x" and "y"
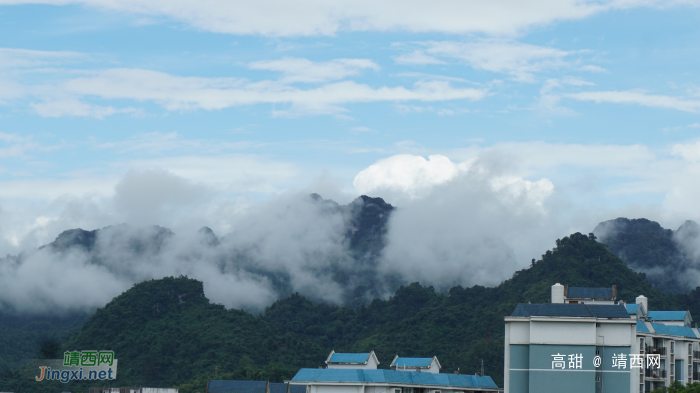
{"x": 670, "y": 259}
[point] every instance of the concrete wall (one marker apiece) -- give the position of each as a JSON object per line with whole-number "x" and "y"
{"x": 338, "y": 389}
{"x": 568, "y": 333}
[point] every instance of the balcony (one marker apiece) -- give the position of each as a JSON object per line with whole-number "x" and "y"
{"x": 661, "y": 351}
{"x": 696, "y": 356}
{"x": 696, "y": 376}
{"x": 655, "y": 374}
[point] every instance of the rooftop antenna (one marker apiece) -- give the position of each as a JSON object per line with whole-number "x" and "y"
{"x": 482, "y": 367}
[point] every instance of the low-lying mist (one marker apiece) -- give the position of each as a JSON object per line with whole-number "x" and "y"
{"x": 473, "y": 223}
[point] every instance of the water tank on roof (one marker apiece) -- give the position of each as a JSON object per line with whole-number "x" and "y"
{"x": 558, "y": 293}
{"x": 641, "y": 299}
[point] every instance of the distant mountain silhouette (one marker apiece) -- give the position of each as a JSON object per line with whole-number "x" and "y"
{"x": 668, "y": 258}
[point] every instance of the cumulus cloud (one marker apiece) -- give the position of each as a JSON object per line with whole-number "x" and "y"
{"x": 688, "y": 151}
{"x": 309, "y": 17}
{"x": 468, "y": 226}
{"x": 478, "y": 218}
{"x": 406, "y": 173}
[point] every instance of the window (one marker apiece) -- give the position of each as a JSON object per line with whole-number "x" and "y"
{"x": 597, "y": 378}
{"x": 597, "y": 324}
{"x": 597, "y": 352}
{"x": 397, "y": 390}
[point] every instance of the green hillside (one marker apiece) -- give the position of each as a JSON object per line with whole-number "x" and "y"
{"x": 27, "y": 336}
{"x": 166, "y": 333}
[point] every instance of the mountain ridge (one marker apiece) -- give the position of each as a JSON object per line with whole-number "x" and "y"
{"x": 166, "y": 333}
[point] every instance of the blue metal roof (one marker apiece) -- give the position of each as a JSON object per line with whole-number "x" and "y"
{"x": 393, "y": 376}
{"x": 569, "y": 310}
{"x": 683, "y": 331}
{"x": 589, "y": 293}
{"x": 632, "y": 308}
{"x": 667, "y": 315}
{"x": 276, "y": 387}
{"x": 412, "y": 362}
{"x": 220, "y": 386}
{"x": 642, "y": 327}
{"x": 608, "y": 311}
{"x": 355, "y": 358}
{"x": 297, "y": 389}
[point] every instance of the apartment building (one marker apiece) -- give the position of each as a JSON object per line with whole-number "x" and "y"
{"x": 586, "y": 340}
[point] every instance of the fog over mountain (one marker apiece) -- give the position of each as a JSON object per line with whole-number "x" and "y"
{"x": 445, "y": 224}
{"x": 670, "y": 259}
{"x": 465, "y": 231}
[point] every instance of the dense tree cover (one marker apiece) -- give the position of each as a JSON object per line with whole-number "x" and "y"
{"x": 166, "y": 333}
{"x": 677, "y": 387}
{"x": 31, "y": 336}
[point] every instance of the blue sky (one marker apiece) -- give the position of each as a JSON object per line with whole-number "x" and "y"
{"x": 594, "y": 106}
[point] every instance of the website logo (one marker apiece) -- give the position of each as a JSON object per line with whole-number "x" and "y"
{"x": 77, "y": 366}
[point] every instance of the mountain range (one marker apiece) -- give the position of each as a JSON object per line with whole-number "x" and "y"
{"x": 166, "y": 332}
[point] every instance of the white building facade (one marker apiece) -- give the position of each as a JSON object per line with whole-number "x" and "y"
{"x": 593, "y": 343}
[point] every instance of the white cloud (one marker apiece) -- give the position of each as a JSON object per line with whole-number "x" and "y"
{"x": 520, "y": 61}
{"x": 417, "y": 57}
{"x": 148, "y": 197}
{"x": 638, "y": 98}
{"x": 10, "y": 89}
{"x": 688, "y": 151}
{"x": 304, "y": 70}
{"x": 550, "y": 101}
{"x": 678, "y": 128}
{"x": 26, "y": 58}
{"x": 181, "y": 93}
{"x": 76, "y": 108}
{"x": 592, "y": 68}
{"x": 406, "y": 173}
{"x": 313, "y": 17}
{"x": 470, "y": 219}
